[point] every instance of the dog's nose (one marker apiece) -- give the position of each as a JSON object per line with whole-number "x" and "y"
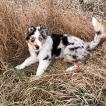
{"x": 37, "y": 47}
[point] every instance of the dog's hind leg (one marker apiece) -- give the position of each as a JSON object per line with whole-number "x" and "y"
{"x": 72, "y": 68}
{"x": 76, "y": 66}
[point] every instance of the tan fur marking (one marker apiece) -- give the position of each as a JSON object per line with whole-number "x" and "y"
{"x": 32, "y": 44}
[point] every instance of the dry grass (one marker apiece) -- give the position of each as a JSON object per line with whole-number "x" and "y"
{"x": 83, "y": 87}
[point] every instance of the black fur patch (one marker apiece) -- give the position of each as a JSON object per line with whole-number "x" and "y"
{"x": 88, "y": 47}
{"x": 37, "y": 53}
{"x": 65, "y": 41}
{"x": 56, "y": 52}
{"x": 71, "y": 43}
{"x": 47, "y": 57}
{"x": 74, "y": 56}
{"x": 98, "y": 32}
{"x": 82, "y": 46}
{"x": 74, "y": 48}
{"x": 56, "y": 41}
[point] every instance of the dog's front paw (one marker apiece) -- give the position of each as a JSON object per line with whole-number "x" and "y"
{"x": 19, "y": 67}
{"x": 34, "y": 77}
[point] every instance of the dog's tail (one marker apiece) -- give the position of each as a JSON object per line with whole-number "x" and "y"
{"x": 99, "y": 34}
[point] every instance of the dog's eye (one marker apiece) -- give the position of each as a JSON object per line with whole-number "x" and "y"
{"x": 33, "y": 39}
{"x": 40, "y": 38}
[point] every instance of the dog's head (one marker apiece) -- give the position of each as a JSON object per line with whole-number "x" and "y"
{"x": 36, "y": 37}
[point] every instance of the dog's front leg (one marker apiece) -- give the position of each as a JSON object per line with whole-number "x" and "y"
{"x": 30, "y": 60}
{"x": 43, "y": 64}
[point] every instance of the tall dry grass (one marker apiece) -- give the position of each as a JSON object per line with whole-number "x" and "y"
{"x": 84, "y": 87}
{"x": 73, "y": 17}
{"x": 15, "y": 18}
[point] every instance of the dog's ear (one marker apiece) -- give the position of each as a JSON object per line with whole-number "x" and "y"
{"x": 44, "y": 32}
{"x": 31, "y": 30}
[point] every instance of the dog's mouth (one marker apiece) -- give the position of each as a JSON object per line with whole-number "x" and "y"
{"x": 36, "y": 50}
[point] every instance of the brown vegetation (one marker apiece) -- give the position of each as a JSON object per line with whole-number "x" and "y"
{"x": 83, "y": 87}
